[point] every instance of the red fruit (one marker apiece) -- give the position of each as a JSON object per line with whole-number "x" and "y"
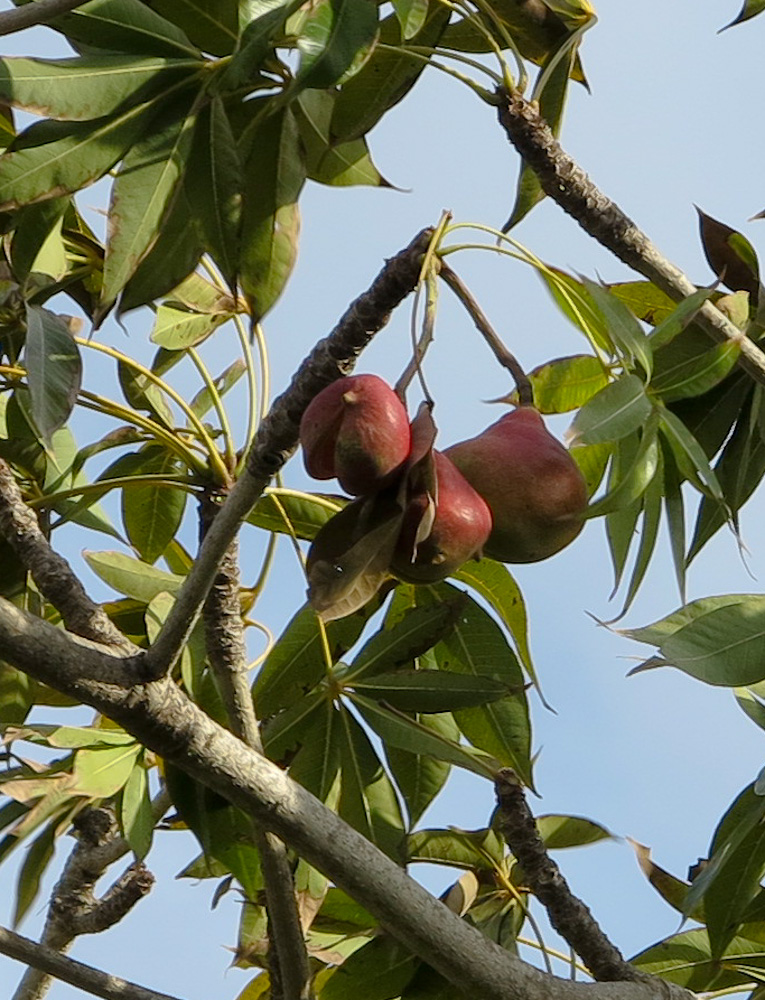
{"x": 357, "y": 430}
{"x": 534, "y": 488}
{"x": 458, "y": 526}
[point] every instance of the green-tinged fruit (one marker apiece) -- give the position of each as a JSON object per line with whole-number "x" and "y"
{"x": 357, "y": 430}
{"x": 534, "y": 488}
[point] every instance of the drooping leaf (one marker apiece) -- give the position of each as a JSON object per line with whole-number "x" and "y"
{"x": 671, "y": 889}
{"x": 275, "y": 171}
{"x": 124, "y": 26}
{"x": 367, "y": 797}
{"x": 136, "y": 818}
{"x": 576, "y": 303}
{"x": 420, "y": 776}
{"x": 635, "y": 477}
{"x": 55, "y": 158}
{"x": 54, "y": 370}
{"x": 39, "y": 854}
{"x": 386, "y": 77}
{"x": 431, "y": 690}
{"x": 214, "y": 187}
{"x": 87, "y": 87}
{"x": 332, "y": 37}
{"x": 623, "y": 327}
{"x": 203, "y": 401}
{"x": 102, "y": 771}
{"x": 35, "y": 225}
{"x": 619, "y": 409}
{"x": 687, "y": 367}
{"x": 690, "y": 456}
{"x": 152, "y": 512}
{"x": 378, "y": 970}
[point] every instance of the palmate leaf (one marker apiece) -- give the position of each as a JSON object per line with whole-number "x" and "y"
{"x": 618, "y": 409}
{"x": 421, "y": 776}
{"x": 213, "y": 25}
{"x": 635, "y": 477}
{"x": 88, "y": 87}
{"x": 132, "y": 577}
{"x": 124, "y": 26}
{"x": 626, "y": 332}
{"x": 431, "y": 690}
{"x": 378, "y": 970}
{"x": 565, "y": 384}
{"x": 468, "y": 849}
{"x": 275, "y": 169}
{"x": 38, "y": 856}
{"x": 141, "y": 195}
{"x": 686, "y": 959}
{"x": 55, "y": 158}
{"x": 152, "y": 512}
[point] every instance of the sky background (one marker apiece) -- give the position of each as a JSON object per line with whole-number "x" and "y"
{"x": 672, "y": 120}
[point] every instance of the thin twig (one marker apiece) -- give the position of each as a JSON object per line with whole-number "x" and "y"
{"x": 38, "y": 12}
{"x": 568, "y": 185}
{"x": 53, "y": 575}
{"x": 501, "y": 353}
{"x": 568, "y": 914}
{"x": 77, "y": 974}
{"x": 226, "y": 651}
{"x": 331, "y": 358}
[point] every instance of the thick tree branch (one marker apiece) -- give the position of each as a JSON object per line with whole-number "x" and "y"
{"x": 226, "y": 651}
{"x": 331, "y": 358}
{"x": 53, "y": 575}
{"x": 77, "y": 974}
{"x": 567, "y": 184}
{"x": 37, "y": 12}
{"x": 167, "y": 722}
{"x": 568, "y": 914}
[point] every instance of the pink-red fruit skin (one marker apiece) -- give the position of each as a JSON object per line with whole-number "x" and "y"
{"x": 461, "y": 526}
{"x": 357, "y": 430}
{"x": 534, "y": 488}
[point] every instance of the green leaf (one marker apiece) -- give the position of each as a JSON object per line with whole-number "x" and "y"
{"x": 678, "y": 319}
{"x": 735, "y": 885}
{"x": 617, "y": 410}
{"x": 576, "y": 303}
{"x": 100, "y": 772}
{"x": 333, "y": 35}
{"x": 622, "y": 521}
{"x": 625, "y": 330}
{"x": 136, "y": 819}
{"x": 476, "y": 645}
{"x": 656, "y": 633}
{"x": 411, "y": 15}
{"x": 214, "y": 187}
{"x": 635, "y": 479}
{"x": 224, "y": 832}
{"x": 338, "y": 165}
{"x": 17, "y": 693}
{"x": 645, "y": 301}
{"x": 132, "y": 577}
{"x": 304, "y": 515}
{"x": 683, "y": 370}
{"x": 385, "y": 78}
{"x": 55, "y": 158}
{"x": 559, "y": 832}
{"x": 38, "y": 857}
{"x": 124, "y": 26}
{"x": 469, "y": 849}
{"x": 722, "y": 645}
{"x": 431, "y": 690}
{"x": 87, "y": 87}
{"x": 152, "y": 512}
{"x": 652, "y": 505}
{"x": 378, "y": 970}
{"x": 690, "y": 456}
{"x": 317, "y": 762}
{"x": 420, "y": 777}
{"x": 203, "y": 401}
{"x": 275, "y": 169}
{"x": 414, "y": 633}
{"x": 36, "y": 226}
{"x": 686, "y": 959}
{"x": 399, "y": 730}
{"x": 54, "y": 370}
{"x": 495, "y": 583}
{"x": 367, "y": 797}
{"x": 567, "y": 383}
{"x": 213, "y": 25}
{"x": 671, "y": 889}
{"x": 173, "y": 256}
{"x": 177, "y": 329}
{"x": 296, "y": 662}
{"x": 141, "y": 196}
{"x": 751, "y": 8}
{"x": 730, "y": 255}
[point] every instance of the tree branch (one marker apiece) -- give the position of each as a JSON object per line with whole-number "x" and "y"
{"x": 37, "y": 12}
{"x": 568, "y": 914}
{"x": 53, "y": 575}
{"x": 167, "y": 722}
{"x": 77, "y": 974}
{"x": 568, "y": 185}
{"x": 74, "y": 908}
{"x": 224, "y": 639}
{"x": 331, "y": 358}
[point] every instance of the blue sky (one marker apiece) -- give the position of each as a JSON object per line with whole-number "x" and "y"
{"x": 672, "y": 121}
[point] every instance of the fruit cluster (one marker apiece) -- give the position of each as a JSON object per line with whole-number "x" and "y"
{"x": 512, "y": 493}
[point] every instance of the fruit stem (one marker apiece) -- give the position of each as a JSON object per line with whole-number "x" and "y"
{"x": 501, "y": 353}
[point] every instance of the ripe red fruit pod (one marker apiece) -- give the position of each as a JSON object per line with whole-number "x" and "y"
{"x": 442, "y": 529}
{"x": 533, "y": 486}
{"x": 357, "y": 430}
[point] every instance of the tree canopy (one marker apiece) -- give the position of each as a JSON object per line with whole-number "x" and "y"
{"x": 303, "y": 762}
